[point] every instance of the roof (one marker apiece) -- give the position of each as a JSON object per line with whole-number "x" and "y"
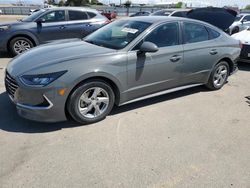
{"x": 73, "y": 8}
{"x": 157, "y": 19}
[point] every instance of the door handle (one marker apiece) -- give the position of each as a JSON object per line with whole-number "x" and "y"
{"x": 213, "y": 52}
{"x": 175, "y": 58}
{"x": 62, "y": 27}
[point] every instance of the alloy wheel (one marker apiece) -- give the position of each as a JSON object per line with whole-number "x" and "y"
{"x": 220, "y": 76}
{"x": 21, "y": 46}
{"x": 93, "y": 102}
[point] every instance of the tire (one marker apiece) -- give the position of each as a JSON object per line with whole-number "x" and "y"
{"x": 20, "y": 45}
{"x": 235, "y": 30}
{"x": 219, "y": 76}
{"x": 82, "y": 103}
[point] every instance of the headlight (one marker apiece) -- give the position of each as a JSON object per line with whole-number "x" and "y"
{"x": 4, "y": 27}
{"x": 41, "y": 79}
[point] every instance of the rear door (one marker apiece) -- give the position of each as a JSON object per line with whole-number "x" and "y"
{"x": 200, "y": 52}
{"x": 79, "y": 24}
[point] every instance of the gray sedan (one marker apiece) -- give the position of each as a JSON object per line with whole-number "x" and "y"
{"x": 125, "y": 61}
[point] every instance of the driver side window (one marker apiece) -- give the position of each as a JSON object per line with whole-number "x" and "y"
{"x": 163, "y": 36}
{"x": 54, "y": 16}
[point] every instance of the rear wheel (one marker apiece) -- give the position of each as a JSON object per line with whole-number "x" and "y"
{"x": 219, "y": 76}
{"x": 235, "y": 30}
{"x": 91, "y": 102}
{"x": 20, "y": 45}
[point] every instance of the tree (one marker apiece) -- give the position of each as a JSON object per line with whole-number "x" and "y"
{"x": 61, "y": 3}
{"x": 127, "y": 4}
{"x": 179, "y": 5}
{"x": 248, "y": 7}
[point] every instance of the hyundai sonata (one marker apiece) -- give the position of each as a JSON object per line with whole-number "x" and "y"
{"x": 129, "y": 60}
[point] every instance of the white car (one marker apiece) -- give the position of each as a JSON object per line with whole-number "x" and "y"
{"x": 1, "y": 12}
{"x": 244, "y": 37}
{"x": 242, "y": 21}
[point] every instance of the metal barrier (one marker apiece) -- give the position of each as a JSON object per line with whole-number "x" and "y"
{"x": 16, "y": 10}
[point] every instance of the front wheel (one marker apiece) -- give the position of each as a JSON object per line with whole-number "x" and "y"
{"x": 91, "y": 102}
{"x": 20, "y": 45}
{"x": 219, "y": 76}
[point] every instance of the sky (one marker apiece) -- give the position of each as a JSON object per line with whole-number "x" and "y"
{"x": 240, "y": 3}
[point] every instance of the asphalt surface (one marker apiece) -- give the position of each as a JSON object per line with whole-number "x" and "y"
{"x": 191, "y": 138}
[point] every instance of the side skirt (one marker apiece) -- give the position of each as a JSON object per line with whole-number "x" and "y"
{"x": 161, "y": 93}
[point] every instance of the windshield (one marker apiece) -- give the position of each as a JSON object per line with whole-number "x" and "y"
{"x": 33, "y": 16}
{"x": 238, "y": 18}
{"x": 118, "y": 34}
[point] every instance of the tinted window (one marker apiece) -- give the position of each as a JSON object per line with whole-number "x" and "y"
{"x": 91, "y": 14}
{"x": 247, "y": 18}
{"x": 54, "y": 16}
{"x": 195, "y": 33}
{"x": 77, "y": 15}
{"x": 212, "y": 33}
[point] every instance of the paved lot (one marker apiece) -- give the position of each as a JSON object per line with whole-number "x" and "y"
{"x": 193, "y": 138}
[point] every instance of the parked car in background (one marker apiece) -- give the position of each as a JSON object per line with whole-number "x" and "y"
{"x": 47, "y": 25}
{"x": 1, "y": 12}
{"x": 241, "y": 22}
{"x": 141, "y": 13}
{"x": 108, "y": 14}
{"x": 33, "y": 11}
{"x": 164, "y": 12}
{"x": 126, "y": 61}
{"x": 244, "y": 37}
{"x": 167, "y": 12}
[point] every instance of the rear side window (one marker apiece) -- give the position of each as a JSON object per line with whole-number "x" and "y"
{"x": 91, "y": 14}
{"x": 212, "y": 33}
{"x": 77, "y": 15}
{"x": 195, "y": 33}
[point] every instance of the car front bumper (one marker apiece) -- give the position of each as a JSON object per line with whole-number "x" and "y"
{"x": 37, "y": 104}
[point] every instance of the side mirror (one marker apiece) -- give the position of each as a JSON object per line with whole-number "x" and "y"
{"x": 40, "y": 21}
{"x": 244, "y": 20}
{"x": 148, "y": 47}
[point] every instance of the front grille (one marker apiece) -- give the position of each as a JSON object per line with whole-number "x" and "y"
{"x": 245, "y": 51}
{"x": 10, "y": 85}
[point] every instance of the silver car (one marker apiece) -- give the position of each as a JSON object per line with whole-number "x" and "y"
{"x": 242, "y": 21}
{"x": 128, "y": 60}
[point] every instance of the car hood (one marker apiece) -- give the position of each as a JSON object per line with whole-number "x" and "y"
{"x": 11, "y": 23}
{"x": 243, "y": 36}
{"x": 54, "y": 53}
{"x": 219, "y": 17}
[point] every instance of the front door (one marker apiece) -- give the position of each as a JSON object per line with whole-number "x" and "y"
{"x": 54, "y": 27}
{"x": 152, "y": 72}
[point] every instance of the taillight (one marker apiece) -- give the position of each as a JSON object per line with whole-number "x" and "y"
{"x": 240, "y": 44}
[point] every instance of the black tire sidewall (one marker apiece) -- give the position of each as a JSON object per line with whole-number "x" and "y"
{"x": 72, "y": 104}
{"x": 13, "y": 41}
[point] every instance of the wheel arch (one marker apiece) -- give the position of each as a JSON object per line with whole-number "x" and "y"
{"x": 30, "y": 37}
{"x": 230, "y": 63}
{"x": 106, "y": 79}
